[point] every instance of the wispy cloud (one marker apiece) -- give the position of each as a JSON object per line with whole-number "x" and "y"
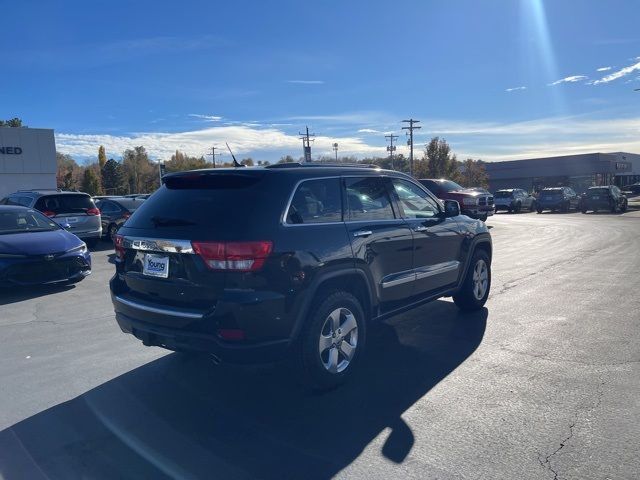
{"x": 623, "y": 72}
{"x": 515, "y": 89}
{"x": 207, "y": 118}
{"x": 369, "y": 130}
{"x": 306, "y": 82}
{"x": 571, "y": 79}
{"x": 603, "y": 69}
{"x": 268, "y": 143}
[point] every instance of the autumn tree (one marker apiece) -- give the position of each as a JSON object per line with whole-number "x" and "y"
{"x": 473, "y": 174}
{"x": 68, "y": 172}
{"x": 142, "y": 174}
{"x": 180, "y": 162}
{"x": 102, "y": 157}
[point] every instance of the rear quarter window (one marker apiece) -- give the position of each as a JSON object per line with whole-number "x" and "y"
{"x": 316, "y": 201}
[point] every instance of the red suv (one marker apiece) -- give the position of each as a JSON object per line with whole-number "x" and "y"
{"x": 474, "y": 203}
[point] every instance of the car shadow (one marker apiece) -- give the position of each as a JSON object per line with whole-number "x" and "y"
{"x": 184, "y": 418}
{"x": 102, "y": 246}
{"x": 15, "y": 294}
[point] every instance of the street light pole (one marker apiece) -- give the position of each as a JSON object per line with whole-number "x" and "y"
{"x": 335, "y": 149}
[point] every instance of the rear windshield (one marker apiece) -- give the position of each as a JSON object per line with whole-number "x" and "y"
{"x": 597, "y": 191}
{"x": 65, "y": 203}
{"x": 23, "y": 221}
{"x": 205, "y": 201}
{"x": 503, "y": 194}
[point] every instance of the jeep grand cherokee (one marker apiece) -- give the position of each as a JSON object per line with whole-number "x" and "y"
{"x": 255, "y": 264}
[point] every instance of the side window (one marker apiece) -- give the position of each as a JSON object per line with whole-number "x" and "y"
{"x": 368, "y": 199}
{"x": 108, "y": 207}
{"x": 413, "y": 201}
{"x": 16, "y": 200}
{"x": 316, "y": 201}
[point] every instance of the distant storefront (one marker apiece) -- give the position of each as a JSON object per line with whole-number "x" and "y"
{"x": 577, "y": 171}
{"x": 27, "y": 159}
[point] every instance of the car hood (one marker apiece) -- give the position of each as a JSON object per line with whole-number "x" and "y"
{"x": 38, "y": 243}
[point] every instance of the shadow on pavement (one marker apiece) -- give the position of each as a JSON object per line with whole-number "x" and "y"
{"x": 185, "y": 418}
{"x": 18, "y": 293}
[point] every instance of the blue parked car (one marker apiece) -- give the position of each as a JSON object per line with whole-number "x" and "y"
{"x": 36, "y": 250}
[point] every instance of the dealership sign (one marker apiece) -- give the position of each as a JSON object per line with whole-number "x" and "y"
{"x": 10, "y": 150}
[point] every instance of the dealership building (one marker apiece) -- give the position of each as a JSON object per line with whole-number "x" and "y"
{"x": 27, "y": 159}
{"x": 577, "y": 171}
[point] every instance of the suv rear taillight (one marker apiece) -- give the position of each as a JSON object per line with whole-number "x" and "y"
{"x": 49, "y": 213}
{"x": 118, "y": 243}
{"x": 233, "y": 256}
{"x": 93, "y": 211}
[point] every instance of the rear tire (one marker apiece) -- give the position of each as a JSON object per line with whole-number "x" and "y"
{"x": 332, "y": 342}
{"x": 517, "y": 208}
{"x": 624, "y": 207}
{"x": 112, "y": 231}
{"x": 476, "y": 285}
{"x": 538, "y": 209}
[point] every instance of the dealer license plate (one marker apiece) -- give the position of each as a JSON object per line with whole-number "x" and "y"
{"x": 156, "y": 265}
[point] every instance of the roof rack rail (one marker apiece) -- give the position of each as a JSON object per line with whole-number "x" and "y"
{"x": 322, "y": 164}
{"x": 40, "y": 190}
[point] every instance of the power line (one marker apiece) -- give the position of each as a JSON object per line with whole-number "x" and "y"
{"x": 391, "y": 147}
{"x": 335, "y": 150}
{"x": 213, "y": 155}
{"x": 306, "y": 144}
{"x": 411, "y": 128}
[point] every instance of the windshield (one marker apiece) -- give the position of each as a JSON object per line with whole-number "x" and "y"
{"x": 503, "y": 194}
{"x": 449, "y": 186}
{"x": 131, "y": 204}
{"x": 25, "y": 221}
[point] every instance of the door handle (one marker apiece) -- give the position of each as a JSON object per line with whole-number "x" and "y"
{"x": 362, "y": 233}
{"x": 420, "y": 228}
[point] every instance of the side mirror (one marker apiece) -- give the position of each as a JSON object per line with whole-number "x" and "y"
{"x": 451, "y": 208}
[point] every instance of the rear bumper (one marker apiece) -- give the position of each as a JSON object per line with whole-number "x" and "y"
{"x": 184, "y": 329}
{"x": 542, "y": 205}
{"x": 89, "y": 234}
{"x": 177, "y": 340}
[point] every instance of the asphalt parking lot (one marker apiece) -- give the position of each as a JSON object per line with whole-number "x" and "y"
{"x": 543, "y": 383}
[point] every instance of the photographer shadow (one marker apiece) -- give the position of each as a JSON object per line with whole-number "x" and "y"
{"x": 179, "y": 417}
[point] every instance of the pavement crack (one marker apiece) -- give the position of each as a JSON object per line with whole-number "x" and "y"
{"x": 545, "y": 461}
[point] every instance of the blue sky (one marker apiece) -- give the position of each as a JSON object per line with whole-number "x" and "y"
{"x": 499, "y": 79}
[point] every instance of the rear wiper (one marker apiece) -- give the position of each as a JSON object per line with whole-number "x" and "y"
{"x": 170, "y": 222}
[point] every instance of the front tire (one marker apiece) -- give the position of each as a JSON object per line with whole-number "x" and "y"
{"x": 538, "y": 209}
{"x": 623, "y": 209}
{"x": 475, "y": 288}
{"x": 332, "y": 343}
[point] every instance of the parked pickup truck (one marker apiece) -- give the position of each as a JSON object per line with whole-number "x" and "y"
{"x": 474, "y": 203}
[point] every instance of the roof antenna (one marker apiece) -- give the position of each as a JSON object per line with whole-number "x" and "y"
{"x": 235, "y": 162}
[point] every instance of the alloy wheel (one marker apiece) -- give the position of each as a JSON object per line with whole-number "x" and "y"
{"x": 338, "y": 340}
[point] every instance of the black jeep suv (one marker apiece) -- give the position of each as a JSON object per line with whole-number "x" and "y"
{"x": 256, "y": 264}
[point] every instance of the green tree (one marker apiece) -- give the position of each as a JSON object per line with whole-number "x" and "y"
{"x": 473, "y": 174}
{"x": 438, "y": 161}
{"x": 91, "y": 182}
{"x": 13, "y": 122}
{"x": 102, "y": 157}
{"x": 180, "y": 162}
{"x": 142, "y": 174}
{"x": 113, "y": 178}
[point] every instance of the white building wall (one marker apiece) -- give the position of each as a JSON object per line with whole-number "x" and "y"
{"x": 34, "y": 167}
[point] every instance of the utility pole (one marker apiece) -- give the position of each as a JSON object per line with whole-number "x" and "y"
{"x": 391, "y": 147}
{"x": 213, "y": 155}
{"x": 306, "y": 144}
{"x": 411, "y": 128}
{"x": 335, "y": 150}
